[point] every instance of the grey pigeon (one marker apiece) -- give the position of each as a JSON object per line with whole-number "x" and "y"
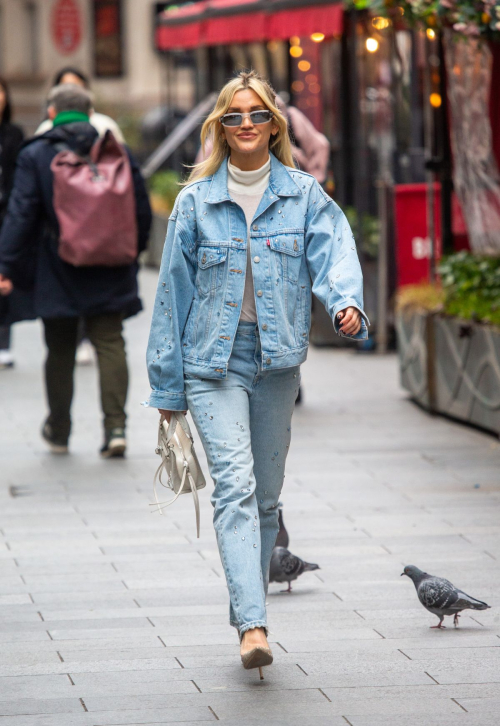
{"x": 282, "y": 540}
{"x": 440, "y": 597}
{"x": 286, "y": 567}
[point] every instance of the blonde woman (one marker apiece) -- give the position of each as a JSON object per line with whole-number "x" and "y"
{"x": 249, "y": 239}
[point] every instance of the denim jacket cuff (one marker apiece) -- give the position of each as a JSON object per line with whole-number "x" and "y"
{"x": 168, "y": 401}
{"x": 363, "y": 332}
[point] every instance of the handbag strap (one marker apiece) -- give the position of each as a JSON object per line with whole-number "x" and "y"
{"x": 176, "y": 417}
{"x": 161, "y": 505}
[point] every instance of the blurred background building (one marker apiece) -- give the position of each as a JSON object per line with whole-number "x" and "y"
{"x": 110, "y": 40}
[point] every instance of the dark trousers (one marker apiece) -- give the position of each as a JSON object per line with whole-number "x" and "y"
{"x": 105, "y": 334}
{"x": 4, "y": 337}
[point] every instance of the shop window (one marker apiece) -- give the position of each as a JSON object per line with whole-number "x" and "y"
{"x": 108, "y": 50}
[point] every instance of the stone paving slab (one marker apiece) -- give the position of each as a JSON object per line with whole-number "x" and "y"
{"x": 38, "y": 706}
{"x": 455, "y": 719}
{"x": 243, "y": 700}
{"x": 112, "y": 616}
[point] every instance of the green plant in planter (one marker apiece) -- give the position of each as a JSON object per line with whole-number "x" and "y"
{"x": 366, "y": 228}
{"x": 164, "y": 187}
{"x": 419, "y": 298}
{"x": 471, "y": 285}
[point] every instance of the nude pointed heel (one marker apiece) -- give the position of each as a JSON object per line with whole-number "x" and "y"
{"x": 257, "y": 658}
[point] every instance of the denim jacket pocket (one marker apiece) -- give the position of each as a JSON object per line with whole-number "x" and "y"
{"x": 209, "y": 274}
{"x": 289, "y": 250}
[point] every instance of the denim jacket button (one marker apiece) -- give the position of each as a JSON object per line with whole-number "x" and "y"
{"x": 256, "y": 259}
{"x": 255, "y": 228}
{"x": 268, "y": 361}
{"x": 264, "y": 327}
{"x": 259, "y": 293}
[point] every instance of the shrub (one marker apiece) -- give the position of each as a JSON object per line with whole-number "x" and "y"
{"x": 471, "y": 286}
{"x": 419, "y": 298}
{"x": 366, "y": 229}
{"x": 164, "y": 188}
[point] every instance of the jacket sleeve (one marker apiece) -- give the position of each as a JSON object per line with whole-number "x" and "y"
{"x": 22, "y": 221}
{"x": 332, "y": 260}
{"x": 143, "y": 207}
{"x": 174, "y": 297}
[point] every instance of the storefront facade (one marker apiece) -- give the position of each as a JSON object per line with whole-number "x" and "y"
{"x": 339, "y": 68}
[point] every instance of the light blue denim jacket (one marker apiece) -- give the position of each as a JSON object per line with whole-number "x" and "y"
{"x": 298, "y": 234}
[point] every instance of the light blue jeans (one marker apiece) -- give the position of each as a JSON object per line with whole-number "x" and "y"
{"x": 244, "y": 422}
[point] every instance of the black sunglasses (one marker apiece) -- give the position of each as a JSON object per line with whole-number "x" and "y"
{"x": 256, "y": 117}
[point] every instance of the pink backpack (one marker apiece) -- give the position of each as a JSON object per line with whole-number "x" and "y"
{"x": 94, "y": 201}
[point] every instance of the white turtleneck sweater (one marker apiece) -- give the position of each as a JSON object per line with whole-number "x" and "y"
{"x": 247, "y": 188}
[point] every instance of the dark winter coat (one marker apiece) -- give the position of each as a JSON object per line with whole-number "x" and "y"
{"x": 30, "y": 233}
{"x": 11, "y": 138}
{"x": 19, "y": 305}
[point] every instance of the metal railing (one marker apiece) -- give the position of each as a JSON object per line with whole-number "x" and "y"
{"x": 178, "y": 135}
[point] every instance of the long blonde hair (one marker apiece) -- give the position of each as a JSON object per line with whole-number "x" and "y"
{"x": 279, "y": 144}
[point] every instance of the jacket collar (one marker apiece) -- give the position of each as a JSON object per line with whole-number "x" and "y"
{"x": 280, "y": 182}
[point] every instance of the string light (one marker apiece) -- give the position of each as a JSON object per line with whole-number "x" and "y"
{"x": 318, "y": 37}
{"x": 297, "y": 86}
{"x": 431, "y": 34}
{"x": 435, "y": 100}
{"x": 304, "y": 65}
{"x": 295, "y": 40}
{"x": 371, "y": 45}
{"x": 296, "y": 51}
{"x": 381, "y": 23}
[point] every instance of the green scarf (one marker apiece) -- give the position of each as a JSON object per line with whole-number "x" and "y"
{"x": 70, "y": 117}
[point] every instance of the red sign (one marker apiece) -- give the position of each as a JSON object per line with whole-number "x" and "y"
{"x": 412, "y": 232}
{"x": 66, "y": 26}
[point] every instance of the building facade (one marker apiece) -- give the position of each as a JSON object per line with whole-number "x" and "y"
{"x": 110, "y": 40}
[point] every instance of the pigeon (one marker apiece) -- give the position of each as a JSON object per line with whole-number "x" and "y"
{"x": 440, "y": 597}
{"x": 282, "y": 540}
{"x": 286, "y": 567}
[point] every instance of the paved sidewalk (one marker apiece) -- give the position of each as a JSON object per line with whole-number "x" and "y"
{"x": 110, "y": 615}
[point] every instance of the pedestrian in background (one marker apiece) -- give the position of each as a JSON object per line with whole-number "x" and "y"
{"x": 310, "y": 148}
{"x": 11, "y": 138}
{"x": 102, "y": 123}
{"x": 99, "y": 121}
{"x": 102, "y": 295}
{"x": 231, "y": 323}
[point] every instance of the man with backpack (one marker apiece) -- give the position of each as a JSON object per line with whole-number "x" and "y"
{"x": 77, "y": 219}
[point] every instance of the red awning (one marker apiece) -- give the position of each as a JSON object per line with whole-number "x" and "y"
{"x": 224, "y": 22}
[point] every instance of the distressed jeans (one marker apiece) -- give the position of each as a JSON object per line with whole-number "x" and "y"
{"x": 244, "y": 423}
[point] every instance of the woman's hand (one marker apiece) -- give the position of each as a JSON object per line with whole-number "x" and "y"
{"x": 351, "y": 321}
{"x": 167, "y": 414}
{"x": 6, "y": 286}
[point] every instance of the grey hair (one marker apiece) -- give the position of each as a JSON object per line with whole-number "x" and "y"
{"x": 70, "y": 97}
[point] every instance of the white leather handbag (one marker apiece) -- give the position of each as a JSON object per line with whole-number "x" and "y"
{"x": 179, "y": 461}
